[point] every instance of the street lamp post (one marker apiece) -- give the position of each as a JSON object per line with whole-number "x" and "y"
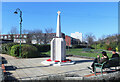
{"x": 16, "y": 12}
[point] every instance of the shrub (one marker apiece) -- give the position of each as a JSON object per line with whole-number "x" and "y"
{"x": 78, "y": 46}
{"x": 68, "y": 47}
{"x": 4, "y": 49}
{"x": 102, "y": 46}
{"x": 99, "y": 46}
{"x": 113, "y": 45}
{"x": 27, "y": 51}
{"x": 14, "y": 50}
{"x": 119, "y": 46}
{"x": 7, "y": 47}
{"x": 81, "y": 46}
{"x": 42, "y": 48}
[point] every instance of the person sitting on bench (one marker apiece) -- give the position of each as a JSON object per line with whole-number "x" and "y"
{"x": 115, "y": 58}
{"x": 99, "y": 60}
{"x": 115, "y": 54}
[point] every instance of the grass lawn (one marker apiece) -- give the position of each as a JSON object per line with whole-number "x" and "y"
{"x": 79, "y": 51}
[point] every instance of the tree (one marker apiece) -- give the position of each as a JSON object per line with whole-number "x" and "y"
{"x": 34, "y": 35}
{"x": 25, "y": 31}
{"x": 102, "y": 39}
{"x": 109, "y": 41}
{"x": 37, "y": 35}
{"x": 90, "y": 38}
{"x": 29, "y": 37}
{"x": 48, "y": 30}
{"x": 47, "y": 35}
{"x": 13, "y": 31}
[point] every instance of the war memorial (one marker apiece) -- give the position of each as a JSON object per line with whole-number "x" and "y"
{"x": 58, "y": 49}
{"x": 56, "y": 67}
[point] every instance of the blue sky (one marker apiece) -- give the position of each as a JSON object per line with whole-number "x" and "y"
{"x": 60, "y": 0}
{"x": 99, "y": 18}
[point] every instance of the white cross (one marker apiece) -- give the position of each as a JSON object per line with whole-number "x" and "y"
{"x": 58, "y": 12}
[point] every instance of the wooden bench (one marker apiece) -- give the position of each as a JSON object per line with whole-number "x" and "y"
{"x": 113, "y": 62}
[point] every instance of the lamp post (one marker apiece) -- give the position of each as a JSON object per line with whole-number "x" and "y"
{"x": 16, "y": 12}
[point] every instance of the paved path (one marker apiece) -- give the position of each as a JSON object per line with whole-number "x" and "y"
{"x": 31, "y": 68}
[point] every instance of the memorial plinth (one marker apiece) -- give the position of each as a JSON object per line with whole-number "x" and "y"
{"x": 58, "y": 49}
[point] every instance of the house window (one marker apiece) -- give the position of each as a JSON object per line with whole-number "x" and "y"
{"x": 5, "y": 37}
{"x": 53, "y": 35}
{"x": 25, "y": 36}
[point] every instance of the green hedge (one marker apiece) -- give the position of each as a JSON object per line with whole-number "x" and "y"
{"x": 7, "y": 47}
{"x": 104, "y": 46}
{"x": 37, "y": 49}
{"x": 4, "y": 49}
{"x": 81, "y": 46}
{"x": 113, "y": 45}
{"x": 78, "y": 46}
{"x": 27, "y": 51}
{"x": 42, "y": 48}
{"x": 14, "y": 50}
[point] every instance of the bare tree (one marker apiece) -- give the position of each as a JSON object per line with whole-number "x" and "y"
{"x": 29, "y": 37}
{"x": 101, "y": 40}
{"x": 116, "y": 37}
{"x": 13, "y": 31}
{"x": 47, "y": 35}
{"x": 37, "y": 35}
{"x": 90, "y": 38}
{"x": 48, "y": 30}
{"x": 34, "y": 35}
{"x": 103, "y": 37}
{"x": 25, "y": 31}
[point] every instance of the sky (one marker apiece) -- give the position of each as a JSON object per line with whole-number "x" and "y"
{"x": 99, "y": 18}
{"x": 60, "y": 0}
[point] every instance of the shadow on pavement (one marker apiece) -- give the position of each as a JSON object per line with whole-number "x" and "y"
{"x": 4, "y": 61}
{"x": 32, "y": 67}
{"x": 10, "y": 68}
{"x": 9, "y": 78}
{"x": 7, "y": 75}
{"x": 82, "y": 61}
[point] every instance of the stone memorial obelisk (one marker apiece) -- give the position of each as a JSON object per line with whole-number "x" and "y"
{"x": 58, "y": 44}
{"x": 58, "y": 49}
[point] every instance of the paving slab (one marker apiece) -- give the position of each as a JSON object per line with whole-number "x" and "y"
{"x": 32, "y": 68}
